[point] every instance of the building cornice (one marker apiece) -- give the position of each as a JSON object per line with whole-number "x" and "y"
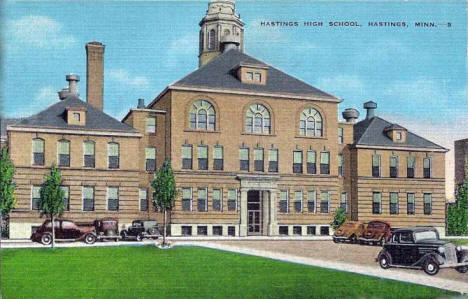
{"x": 401, "y": 148}
{"x": 143, "y": 110}
{"x": 73, "y": 132}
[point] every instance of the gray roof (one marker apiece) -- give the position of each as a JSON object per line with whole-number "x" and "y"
{"x": 54, "y": 117}
{"x": 372, "y": 132}
{"x": 220, "y": 73}
{"x": 4, "y": 122}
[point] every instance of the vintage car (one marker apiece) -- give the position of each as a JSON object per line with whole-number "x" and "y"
{"x": 141, "y": 229}
{"x": 420, "y": 248}
{"x": 349, "y": 231}
{"x": 107, "y": 229}
{"x": 65, "y": 230}
{"x": 376, "y": 232}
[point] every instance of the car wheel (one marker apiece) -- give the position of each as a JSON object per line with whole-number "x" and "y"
{"x": 139, "y": 237}
{"x": 90, "y": 239}
{"x": 431, "y": 267}
{"x": 462, "y": 269}
{"x": 384, "y": 261}
{"x": 46, "y": 239}
{"x": 335, "y": 240}
{"x": 353, "y": 239}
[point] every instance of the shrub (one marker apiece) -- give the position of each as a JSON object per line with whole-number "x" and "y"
{"x": 339, "y": 218}
{"x": 457, "y": 217}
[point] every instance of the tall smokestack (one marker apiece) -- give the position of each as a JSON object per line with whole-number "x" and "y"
{"x": 95, "y": 74}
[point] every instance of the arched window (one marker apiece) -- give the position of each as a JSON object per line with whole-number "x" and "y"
{"x": 311, "y": 123}
{"x": 202, "y": 116}
{"x": 258, "y": 119}
{"x": 201, "y": 41}
{"x": 211, "y": 39}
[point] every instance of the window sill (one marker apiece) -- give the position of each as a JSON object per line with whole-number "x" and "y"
{"x": 201, "y": 131}
{"x": 258, "y": 134}
{"x": 310, "y": 137}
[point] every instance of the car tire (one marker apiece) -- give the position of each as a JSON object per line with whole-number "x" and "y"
{"x": 431, "y": 267}
{"x": 335, "y": 240}
{"x": 353, "y": 239}
{"x": 46, "y": 239}
{"x": 90, "y": 239}
{"x": 139, "y": 237}
{"x": 462, "y": 269}
{"x": 384, "y": 261}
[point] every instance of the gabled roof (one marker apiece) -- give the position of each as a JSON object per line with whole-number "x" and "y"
{"x": 220, "y": 73}
{"x": 372, "y": 132}
{"x": 54, "y": 117}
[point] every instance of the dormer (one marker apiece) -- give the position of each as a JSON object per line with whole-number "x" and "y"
{"x": 397, "y": 133}
{"x": 252, "y": 73}
{"x": 75, "y": 116}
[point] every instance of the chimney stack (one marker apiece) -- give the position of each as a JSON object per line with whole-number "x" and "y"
{"x": 350, "y": 115}
{"x": 141, "y": 104}
{"x": 370, "y": 107}
{"x": 95, "y": 74}
{"x": 73, "y": 83}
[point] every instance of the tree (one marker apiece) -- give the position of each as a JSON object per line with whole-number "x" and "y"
{"x": 52, "y": 197}
{"x": 339, "y": 218}
{"x": 165, "y": 191}
{"x": 457, "y": 213}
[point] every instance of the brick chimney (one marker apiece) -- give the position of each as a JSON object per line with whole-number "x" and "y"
{"x": 95, "y": 74}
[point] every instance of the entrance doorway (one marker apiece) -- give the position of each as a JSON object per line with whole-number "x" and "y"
{"x": 254, "y": 213}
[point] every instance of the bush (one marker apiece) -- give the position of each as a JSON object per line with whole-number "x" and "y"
{"x": 339, "y": 218}
{"x": 457, "y": 217}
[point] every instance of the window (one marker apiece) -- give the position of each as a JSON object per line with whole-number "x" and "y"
{"x": 113, "y": 198}
{"x": 186, "y": 157}
{"x": 88, "y": 198}
{"x": 427, "y": 203}
{"x": 113, "y": 155}
{"x": 340, "y": 165}
{"x": 273, "y": 160}
{"x": 298, "y": 201}
{"x": 398, "y": 135}
{"x": 150, "y": 158}
{"x": 394, "y": 166}
{"x": 406, "y": 237}
{"x": 297, "y": 230}
{"x": 410, "y": 166}
{"x": 249, "y": 76}
{"x": 211, "y": 39}
{"x": 311, "y": 162}
{"x": 244, "y": 158}
{"x": 66, "y": 197}
{"x": 232, "y": 200}
{"x": 35, "y": 197}
{"x": 376, "y": 166}
{"x": 258, "y": 119}
{"x": 340, "y": 135}
{"x": 202, "y": 157}
{"x": 283, "y": 206}
{"x": 202, "y": 200}
{"x": 38, "y": 151}
{"x": 376, "y": 203}
{"x": 88, "y": 154}
{"x": 258, "y": 77}
{"x": 231, "y": 230}
{"x": 324, "y": 230}
{"x": 283, "y": 230}
{"x": 311, "y": 230}
{"x": 202, "y": 230}
{"x": 393, "y": 203}
{"x": 325, "y": 202}
{"x": 150, "y": 125}
{"x": 201, "y": 45}
{"x": 76, "y": 116}
{"x": 410, "y": 203}
{"x": 427, "y": 168}
{"x": 217, "y": 230}
{"x": 217, "y": 200}
{"x": 218, "y": 156}
{"x": 64, "y": 153}
{"x": 297, "y": 161}
{"x": 143, "y": 196}
{"x": 258, "y": 159}
{"x": 311, "y": 198}
{"x": 202, "y": 116}
{"x": 324, "y": 163}
{"x": 344, "y": 201}
{"x": 186, "y": 199}
{"x": 186, "y": 230}
{"x": 310, "y": 123}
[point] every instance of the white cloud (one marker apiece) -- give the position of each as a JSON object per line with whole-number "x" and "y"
{"x": 342, "y": 85}
{"x": 124, "y": 77}
{"x": 38, "y": 31}
{"x": 45, "y": 97}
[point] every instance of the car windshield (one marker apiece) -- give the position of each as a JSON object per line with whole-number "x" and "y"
{"x": 426, "y": 235}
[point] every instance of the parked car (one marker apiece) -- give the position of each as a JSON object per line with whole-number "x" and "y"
{"x": 141, "y": 229}
{"x": 107, "y": 229}
{"x": 420, "y": 248}
{"x": 65, "y": 230}
{"x": 376, "y": 232}
{"x": 349, "y": 231}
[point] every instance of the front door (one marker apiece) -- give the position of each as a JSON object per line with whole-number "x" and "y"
{"x": 254, "y": 213}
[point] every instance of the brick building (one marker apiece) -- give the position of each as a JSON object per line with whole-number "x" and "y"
{"x": 461, "y": 161}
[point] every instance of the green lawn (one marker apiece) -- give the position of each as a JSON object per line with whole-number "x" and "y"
{"x": 182, "y": 272}
{"x": 457, "y": 241}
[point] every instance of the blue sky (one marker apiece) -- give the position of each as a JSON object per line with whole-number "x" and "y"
{"x": 417, "y": 75}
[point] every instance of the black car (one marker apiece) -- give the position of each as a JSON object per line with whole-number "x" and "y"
{"x": 421, "y": 248}
{"x": 141, "y": 229}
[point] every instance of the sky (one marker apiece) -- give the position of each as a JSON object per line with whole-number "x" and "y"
{"x": 416, "y": 75}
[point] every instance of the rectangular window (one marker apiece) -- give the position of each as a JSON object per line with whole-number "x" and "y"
{"x": 113, "y": 155}
{"x": 324, "y": 163}
{"x": 258, "y": 159}
{"x": 297, "y": 161}
{"x": 273, "y": 160}
{"x": 232, "y": 200}
{"x": 88, "y": 198}
{"x": 311, "y": 162}
{"x": 324, "y": 231}
{"x": 88, "y": 154}
{"x": 218, "y": 158}
{"x": 325, "y": 202}
{"x": 427, "y": 168}
{"x": 427, "y": 203}
{"x": 217, "y": 200}
{"x": 143, "y": 196}
{"x": 393, "y": 203}
{"x": 410, "y": 166}
{"x": 38, "y": 151}
{"x": 244, "y": 158}
{"x": 258, "y": 77}
{"x": 394, "y": 166}
{"x": 202, "y": 230}
{"x": 410, "y": 203}
{"x": 35, "y": 197}
{"x": 284, "y": 203}
{"x": 66, "y": 197}
{"x": 283, "y": 230}
{"x": 150, "y": 157}
{"x": 340, "y": 135}
{"x": 297, "y": 230}
{"x": 376, "y": 203}
{"x": 231, "y": 230}
{"x": 376, "y": 166}
{"x": 217, "y": 230}
{"x": 186, "y": 157}
{"x": 150, "y": 125}
{"x": 186, "y": 230}
{"x": 202, "y": 157}
{"x": 298, "y": 201}
{"x": 64, "y": 153}
{"x": 311, "y": 199}
{"x": 202, "y": 200}
{"x": 113, "y": 198}
{"x": 344, "y": 201}
{"x": 340, "y": 165}
{"x": 186, "y": 199}
{"x": 249, "y": 76}
{"x": 312, "y": 230}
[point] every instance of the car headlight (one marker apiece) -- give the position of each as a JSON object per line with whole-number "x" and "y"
{"x": 441, "y": 249}
{"x": 458, "y": 248}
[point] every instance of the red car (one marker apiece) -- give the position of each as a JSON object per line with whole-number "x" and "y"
{"x": 65, "y": 230}
{"x": 376, "y": 232}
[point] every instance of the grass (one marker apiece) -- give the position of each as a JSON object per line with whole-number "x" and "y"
{"x": 457, "y": 241}
{"x": 182, "y": 272}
